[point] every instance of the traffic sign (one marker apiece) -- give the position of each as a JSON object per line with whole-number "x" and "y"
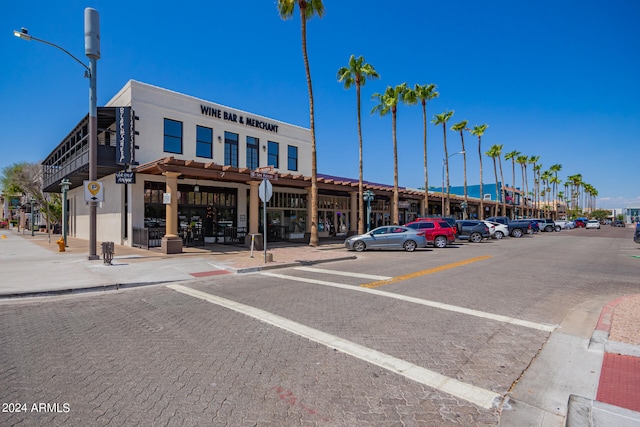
{"x": 264, "y": 175}
{"x": 93, "y": 191}
{"x": 265, "y": 190}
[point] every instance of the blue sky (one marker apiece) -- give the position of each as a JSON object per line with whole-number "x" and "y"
{"x": 553, "y": 79}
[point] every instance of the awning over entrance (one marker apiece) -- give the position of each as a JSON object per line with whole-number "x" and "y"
{"x": 210, "y": 170}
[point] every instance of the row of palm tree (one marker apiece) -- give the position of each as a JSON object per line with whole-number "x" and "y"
{"x": 357, "y": 73}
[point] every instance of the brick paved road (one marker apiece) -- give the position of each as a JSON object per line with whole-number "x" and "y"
{"x": 154, "y": 356}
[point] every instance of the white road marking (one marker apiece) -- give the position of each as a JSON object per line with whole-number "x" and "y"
{"x": 343, "y": 273}
{"x": 476, "y": 395}
{"x": 483, "y": 314}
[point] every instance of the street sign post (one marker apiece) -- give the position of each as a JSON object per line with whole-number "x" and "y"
{"x": 265, "y": 191}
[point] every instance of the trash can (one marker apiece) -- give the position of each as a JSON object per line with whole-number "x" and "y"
{"x": 107, "y": 252}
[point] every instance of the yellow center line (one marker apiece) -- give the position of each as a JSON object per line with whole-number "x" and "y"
{"x": 379, "y": 283}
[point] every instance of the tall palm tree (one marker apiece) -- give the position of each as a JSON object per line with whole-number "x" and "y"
{"x": 576, "y": 182}
{"x": 423, "y": 93}
{"x": 533, "y": 160}
{"x": 388, "y": 101}
{"x": 512, "y": 156}
{"x": 461, "y": 127}
{"x": 536, "y": 186}
{"x": 357, "y": 72}
{"x": 522, "y": 161}
{"x": 494, "y": 151}
{"x": 308, "y": 9}
{"x": 554, "y": 181}
{"x": 545, "y": 178}
{"x": 555, "y": 169}
{"x": 479, "y": 131}
{"x": 442, "y": 119}
{"x": 503, "y": 192}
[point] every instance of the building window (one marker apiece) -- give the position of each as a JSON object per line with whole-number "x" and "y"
{"x": 231, "y": 149}
{"x": 252, "y": 152}
{"x": 204, "y": 142}
{"x": 292, "y": 158}
{"x": 273, "y": 155}
{"x": 172, "y": 136}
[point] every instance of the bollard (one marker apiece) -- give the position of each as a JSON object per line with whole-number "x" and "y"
{"x": 60, "y": 243}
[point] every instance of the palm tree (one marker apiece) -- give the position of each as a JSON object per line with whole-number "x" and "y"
{"x": 442, "y": 119}
{"x": 388, "y": 101}
{"x": 522, "y": 161}
{"x": 503, "y": 192}
{"x": 461, "y": 127}
{"x": 423, "y": 93}
{"x": 479, "y": 131}
{"x": 555, "y": 169}
{"x": 357, "y": 72}
{"x": 536, "y": 182}
{"x": 555, "y": 182}
{"x": 308, "y": 9}
{"x": 494, "y": 151}
{"x": 532, "y": 161}
{"x": 544, "y": 179}
{"x": 576, "y": 182}
{"x": 512, "y": 156}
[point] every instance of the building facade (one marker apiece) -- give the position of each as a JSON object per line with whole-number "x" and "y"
{"x": 179, "y": 166}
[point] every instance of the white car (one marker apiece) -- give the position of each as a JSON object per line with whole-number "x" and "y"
{"x": 491, "y": 227}
{"x": 500, "y": 230}
{"x": 593, "y": 223}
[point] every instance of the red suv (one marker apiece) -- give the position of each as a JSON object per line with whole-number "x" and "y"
{"x": 437, "y": 231}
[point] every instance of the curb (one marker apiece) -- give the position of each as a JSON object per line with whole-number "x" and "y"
{"x": 584, "y": 412}
{"x": 118, "y": 286}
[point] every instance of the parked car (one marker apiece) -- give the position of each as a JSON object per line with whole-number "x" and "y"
{"x": 448, "y": 219}
{"x": 563, "y": 224}
{"x": 491, "y": 227}
{"x": 472, "y": 230}
{"x": 502, "y": 230}
{"x": 517, "y": 228}
{"x": 547, "y": 225}
{"x": 593, "y": 223}
{"x": 580, "y": 223}
{"x": 619, "y": 223}
{"x": 388, "y": 237}
{"x": 437, "y": 231}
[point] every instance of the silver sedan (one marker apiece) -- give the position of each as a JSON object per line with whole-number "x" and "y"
{"x": 388, "y": 237}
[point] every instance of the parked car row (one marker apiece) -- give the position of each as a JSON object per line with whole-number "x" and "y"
{"x": 440, "y": 232}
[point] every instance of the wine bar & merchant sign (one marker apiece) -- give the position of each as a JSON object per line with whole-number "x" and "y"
{"x": 236, "y": 118}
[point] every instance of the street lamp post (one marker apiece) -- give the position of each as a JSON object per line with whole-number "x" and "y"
{"x": 92, "y": 51}
{"x": 444, "y": 161}
{"x": 65, "y": 187}
{"x": 32, "y": 201}
{"x": 368, "y": 197}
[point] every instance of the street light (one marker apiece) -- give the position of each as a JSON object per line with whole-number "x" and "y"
{"x": 32, "y": 201}
{"x": 65, "y": 184}
{"x": 92, "y": 51}
{"x": 368, "y": 197}
{"x": 445, "y": 160}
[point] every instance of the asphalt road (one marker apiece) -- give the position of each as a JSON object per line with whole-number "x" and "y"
{"x": 434, "y": 337}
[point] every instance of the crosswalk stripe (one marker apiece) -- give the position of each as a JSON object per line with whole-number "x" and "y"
{"x": 482, "y": 314}
{"x": 343, "y": 273}
{"x": 476, "y": 395}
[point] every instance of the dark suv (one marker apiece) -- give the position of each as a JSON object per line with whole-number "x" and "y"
{"x": 437, "y": 231}
{"x": 472, "y": 230}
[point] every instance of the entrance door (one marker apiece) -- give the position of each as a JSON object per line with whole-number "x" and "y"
{"x": 190, "y": 225}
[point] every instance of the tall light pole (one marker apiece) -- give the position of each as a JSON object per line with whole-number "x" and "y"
{"x": 65, "y": 187}
{"x": 92, "y": 51}
{"x": 444, "y": 161}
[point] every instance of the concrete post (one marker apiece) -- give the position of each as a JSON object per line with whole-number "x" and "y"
{"x": 171, "y": 242}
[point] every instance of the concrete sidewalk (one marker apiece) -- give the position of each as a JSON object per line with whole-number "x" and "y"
{"x": 603, "y": 373}
{"x": 33, "y": 265}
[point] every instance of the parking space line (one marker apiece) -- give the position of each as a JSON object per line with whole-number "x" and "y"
{"x": 476, "y": 395}
{"x": 343, "y": 273}
{"x": 424, "y": 272}
{"x": 456, "y": 309}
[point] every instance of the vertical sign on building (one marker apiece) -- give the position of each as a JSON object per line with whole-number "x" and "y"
{"x": 125, "y": 136}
